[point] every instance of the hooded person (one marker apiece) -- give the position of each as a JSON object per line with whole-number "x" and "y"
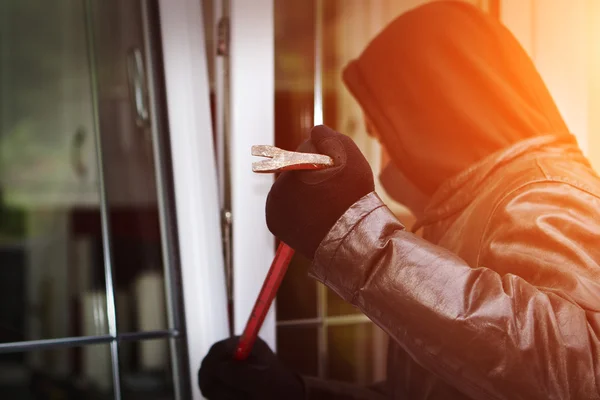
{"x": 500, "y": 299}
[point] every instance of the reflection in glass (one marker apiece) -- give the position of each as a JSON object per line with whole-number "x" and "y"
{"x": 51, "y": 278}
{"x": 74, "y": 74}
{"x": 67, "y": 373}
{"x": 297, "y": 296}
{"x": 337, "y": 306}
{"x": 357, "y": 353}
{"x": 129, "y": 131}
{"x": 146, "y": 370}
{"x": 294, "y": 94}
{"x": 297, "y": 348}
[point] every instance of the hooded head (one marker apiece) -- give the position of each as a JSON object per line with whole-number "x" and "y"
{"x": 444, "y": 86}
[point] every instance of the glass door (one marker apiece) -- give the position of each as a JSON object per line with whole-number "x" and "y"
{"x": 88, "y": 275}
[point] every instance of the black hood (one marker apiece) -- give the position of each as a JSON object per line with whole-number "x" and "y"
{"x": 446, "y": 85}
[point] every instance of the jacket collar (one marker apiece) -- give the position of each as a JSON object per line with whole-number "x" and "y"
{"x": 457, "y": 192}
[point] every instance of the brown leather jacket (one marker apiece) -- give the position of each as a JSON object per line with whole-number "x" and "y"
{"x": 502, "y": 299}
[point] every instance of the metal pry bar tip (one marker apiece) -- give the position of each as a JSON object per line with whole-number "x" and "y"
{"x": 283, "y": 160}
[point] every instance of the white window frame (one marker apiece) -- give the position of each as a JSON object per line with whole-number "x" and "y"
{"x": 194, "y": 166}
{"x": 252, "y": 96}
{"x": 195, "y": 178}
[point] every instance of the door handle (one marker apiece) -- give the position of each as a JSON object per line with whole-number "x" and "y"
{"x": 137, "y": 86}
{"x": 77, "y": 159}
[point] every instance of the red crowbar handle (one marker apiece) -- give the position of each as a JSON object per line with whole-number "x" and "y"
{"x": 284, "y": 253}
{"x": 282, "y": 259}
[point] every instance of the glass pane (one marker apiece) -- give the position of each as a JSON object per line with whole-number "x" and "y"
{"x": 294, "y": 71}
{"x": 357, "y": 353}
{"x": 128, "y": 130}
{"x": 51, "y": 276}
{"x": 66, "y": 373}
{"x": 297, "y": 348}
{"x": 337, "y": 306}
{"x": 297, "y": 295}
{"x": 146, "y": 370}
{"x": 294, "y": 77}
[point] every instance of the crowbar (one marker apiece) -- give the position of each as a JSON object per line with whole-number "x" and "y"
{"x": 281, "y": 160}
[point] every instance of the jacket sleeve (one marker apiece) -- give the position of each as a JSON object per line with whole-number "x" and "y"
{"x": 319, "y": 389}
{"x": 490, "y": 336}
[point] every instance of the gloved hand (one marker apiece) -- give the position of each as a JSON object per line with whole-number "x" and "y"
{"x": 303, "y": 206}
{"x": 260, "y": 377}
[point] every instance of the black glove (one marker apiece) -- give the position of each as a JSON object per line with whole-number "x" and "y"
{"x": 261, "y": 376}
{"x": 303, "y": 206}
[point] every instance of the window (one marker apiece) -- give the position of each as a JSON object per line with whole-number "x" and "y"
{"x": 88, "y": 274}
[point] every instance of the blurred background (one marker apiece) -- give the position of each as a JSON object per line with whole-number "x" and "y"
{"x": 132, "y": 231}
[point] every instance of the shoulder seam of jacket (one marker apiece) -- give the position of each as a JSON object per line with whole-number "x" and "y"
{"x": 493, "y": 212}
{"x": 561, "y": 179}
{"x": 542, "y": 170}
{"x": 501, "y": 201}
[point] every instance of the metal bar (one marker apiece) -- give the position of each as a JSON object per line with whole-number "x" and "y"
{"x": 347, "y": 320}
{"x": 329, "y": 321}
{"x": 138, "y": 336}
{"x": 220, "y": 64}
{"x": 318, "y": 120}
{"x": 300, "y": 323}
{"x": 283, "y": 160}
{"x": 318, "y": 85}
{"x": 222, "y": 133}
{"x": 15, "y": 347}
{"x": 5, "y": 26}
{"x": 161, "y": 190}
{"x": 111, "y": 312}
